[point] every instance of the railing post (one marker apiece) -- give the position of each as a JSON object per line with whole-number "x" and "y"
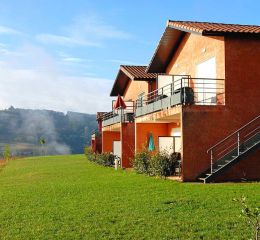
{"x": 238, "y": 143}
{"x": 211, "y": 161}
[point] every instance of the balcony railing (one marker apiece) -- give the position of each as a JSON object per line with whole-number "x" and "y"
{"x": 119, "y": 115}
{"x": 185, "y": 90}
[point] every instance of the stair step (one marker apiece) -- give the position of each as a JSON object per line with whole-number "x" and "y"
{"x": 202, "y": 179}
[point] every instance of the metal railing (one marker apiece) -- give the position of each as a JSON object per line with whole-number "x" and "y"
{"x": 199, "y": 91}
{"x": 119, "y": 115}
{"x": 234, "y": 142}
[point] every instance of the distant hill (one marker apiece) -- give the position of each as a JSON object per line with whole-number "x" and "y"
{"x": 63, "y": 133}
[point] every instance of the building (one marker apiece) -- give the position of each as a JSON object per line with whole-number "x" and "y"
{"x": 118, "y": 127}
{"x": 203, "y": 103}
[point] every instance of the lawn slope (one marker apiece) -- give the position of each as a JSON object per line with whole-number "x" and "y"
{"x": 67, "y": 197}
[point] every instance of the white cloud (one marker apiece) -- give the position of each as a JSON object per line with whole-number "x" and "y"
{"x": 35, "y": 80}
{"x": 68, "y": 59}
{"x": 94, "y": 26}
{"x": 84, "y": 31}
{"x": 67, "y": 41}
{"x": 8, "y": 31}
{"x": 125, "y": 62}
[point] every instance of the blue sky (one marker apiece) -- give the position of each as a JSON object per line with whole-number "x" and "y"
{"x": 64, "y": 55}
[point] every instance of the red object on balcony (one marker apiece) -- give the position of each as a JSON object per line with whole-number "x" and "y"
{"x": 119, "y": 103}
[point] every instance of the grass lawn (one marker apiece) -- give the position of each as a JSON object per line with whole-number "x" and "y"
{"x": 67, "y": 197}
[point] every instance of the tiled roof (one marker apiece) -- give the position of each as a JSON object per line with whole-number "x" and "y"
{"x": 176, "y": 30}
{"x": 127, "y": 73}
{"x": 211, "y": 28}
{"x": 137, "y": 72}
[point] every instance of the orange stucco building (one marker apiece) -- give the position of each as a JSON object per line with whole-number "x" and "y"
{"x": 118, "y": 127}
{"x": 202, "y": 100}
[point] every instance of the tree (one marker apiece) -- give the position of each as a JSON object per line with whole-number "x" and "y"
{"x": 7, "y": 153}
{"x": 251, "y": 215}
{"x": 42, "y": 143}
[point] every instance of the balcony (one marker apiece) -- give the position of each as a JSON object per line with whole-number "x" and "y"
{"x": 119, "y": 115}
{"x": 183, "y": 90}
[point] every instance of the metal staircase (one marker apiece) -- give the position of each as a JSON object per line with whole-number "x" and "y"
{"x": 232, "y": 149}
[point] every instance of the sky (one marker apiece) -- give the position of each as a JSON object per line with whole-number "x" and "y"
{"x": 64, "y": 55}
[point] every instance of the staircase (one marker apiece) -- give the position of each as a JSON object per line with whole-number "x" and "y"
{"x": 232, "y": 149}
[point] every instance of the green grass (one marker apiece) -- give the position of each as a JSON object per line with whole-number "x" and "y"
{"x": 67, "y": 197}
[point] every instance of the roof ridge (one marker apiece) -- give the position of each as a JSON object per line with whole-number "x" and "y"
{"x": 133, "y": 65}
{"x": 188, "y": 21}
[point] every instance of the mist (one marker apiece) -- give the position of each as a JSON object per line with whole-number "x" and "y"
{"x": 40, "y": 125}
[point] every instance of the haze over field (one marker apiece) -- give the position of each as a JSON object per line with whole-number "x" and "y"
{"x": 63, "y": 133}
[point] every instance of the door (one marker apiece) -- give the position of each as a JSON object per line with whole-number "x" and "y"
{"x": 164, "y": 84}
{"x": 117, "y": 148}
{"x": 176, "y": 133}
{"x": 206, "y": 88}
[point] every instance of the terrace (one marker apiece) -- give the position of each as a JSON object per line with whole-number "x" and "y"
{"x": 119, "y": 115}
{"x": 182, "y": 90}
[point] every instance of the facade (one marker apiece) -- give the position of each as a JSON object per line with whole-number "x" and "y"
{"x": 204, "y": 102}
{"x": 118, "y": 127}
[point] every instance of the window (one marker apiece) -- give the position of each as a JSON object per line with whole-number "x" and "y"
{"x": 170, "y": 144}
{"x": 206, "y": 88}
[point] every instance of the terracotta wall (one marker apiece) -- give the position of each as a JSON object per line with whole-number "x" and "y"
{"x": 107, "y": 140}
{"x": 134, "y": 88}
{"x": 143, "y": 132}
{"x": 96, "y": 144}
{"x": 128, "y": 143}
{"x": 203, "y": 126}
{"x": 195, "y": 49}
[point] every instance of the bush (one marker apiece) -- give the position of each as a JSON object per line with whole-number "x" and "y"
{"x": 90, "y": 154}
{"x": 141, "y": 161}
{"x": 7, "y": 153}
{"x": 105, "y": 159}
{"x": 159, "y": 164}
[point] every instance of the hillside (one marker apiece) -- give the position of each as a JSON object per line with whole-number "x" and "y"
{"x": 63, "y": 133}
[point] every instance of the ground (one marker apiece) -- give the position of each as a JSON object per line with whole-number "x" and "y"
{"x": 68, "y": 197}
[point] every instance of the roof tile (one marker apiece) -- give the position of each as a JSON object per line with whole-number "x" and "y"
{"x": 208, "y": 27}
{"x": 137, "y": 72}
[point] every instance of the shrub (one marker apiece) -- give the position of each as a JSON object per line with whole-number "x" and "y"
{"x": 7, "y": 153}
{"x": 90, "y": 154}
{"x": 105, "y": 159}
{"x": 141, "y": 161}
{"x": 160, "y": 165}
{"x": 251, "y": 215}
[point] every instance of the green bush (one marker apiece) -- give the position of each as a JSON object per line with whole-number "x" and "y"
{"x": 105, "y": 159}
{"x": 141, "y": 161}
{"x": 158, "y": 164}
{"x": 7, "y": 153}
{"x": 90, "y": 154}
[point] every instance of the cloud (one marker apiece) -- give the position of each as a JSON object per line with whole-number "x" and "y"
{"x": 8, "y": 31}
{"x": 84, "y": 31}
{"x": 125, "y": 62}
{"x": 97, "y": 27}
{"x": 36, "y": 80}
{"x": 68, "y": 59}
{"x": 67, "y": 41}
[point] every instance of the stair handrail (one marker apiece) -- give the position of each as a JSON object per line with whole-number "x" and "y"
{"x": 228, "y": 137}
